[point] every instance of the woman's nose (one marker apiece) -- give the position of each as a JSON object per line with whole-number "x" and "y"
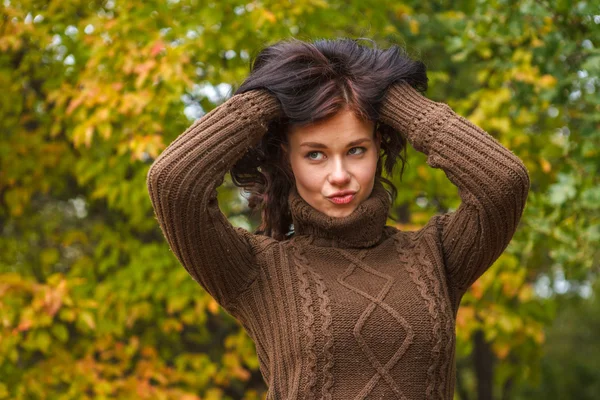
{"x": 339, "y": 175}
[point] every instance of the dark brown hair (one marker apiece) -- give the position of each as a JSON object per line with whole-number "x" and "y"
{"x": 313, "y": 81}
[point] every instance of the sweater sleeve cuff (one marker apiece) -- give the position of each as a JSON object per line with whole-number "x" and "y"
{"x": 413, "y": 115}
{"x": 261, "y": 104}
{"x": 403, "y": 104}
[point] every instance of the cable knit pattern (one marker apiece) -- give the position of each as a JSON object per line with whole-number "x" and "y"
{"x": 413, "y": 268}
{"x": 347, "y": 308}
{"x": 325, "y": 309}
{"x": 309, "y": 318}
{"x": 376, "y": 299}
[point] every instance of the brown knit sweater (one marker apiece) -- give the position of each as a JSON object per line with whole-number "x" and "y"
{"x": 348, "y": 308}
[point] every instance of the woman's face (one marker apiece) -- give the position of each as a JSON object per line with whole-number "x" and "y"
{"x": 334, "y": 155}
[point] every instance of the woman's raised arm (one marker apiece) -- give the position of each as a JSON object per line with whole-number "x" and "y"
{"x": 492, "y": 182}
{"x": 182, "y": 184}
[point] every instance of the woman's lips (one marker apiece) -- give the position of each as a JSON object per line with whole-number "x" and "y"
{"x": 342, "y": 199}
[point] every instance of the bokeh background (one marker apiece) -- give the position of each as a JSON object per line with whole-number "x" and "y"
{"x": 93, "y": 305}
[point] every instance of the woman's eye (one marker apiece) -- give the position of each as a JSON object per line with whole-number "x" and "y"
{"x": 312, "y": 152}
{"x": 363, "y": 149}
{"x": 351, "y": 152}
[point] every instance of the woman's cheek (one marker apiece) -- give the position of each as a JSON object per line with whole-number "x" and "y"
{"x": 306, "y": 175}
{"x": 312, "y": 177}
{"x": 365, "y": 169}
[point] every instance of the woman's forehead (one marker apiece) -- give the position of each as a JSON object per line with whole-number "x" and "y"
{"x": 343, "y": 124}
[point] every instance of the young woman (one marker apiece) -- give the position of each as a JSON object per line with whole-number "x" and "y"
{"x": 341, "y": 306}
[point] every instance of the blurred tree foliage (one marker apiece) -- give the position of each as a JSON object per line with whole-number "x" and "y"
{"x": 92, "y": 302}
{"x": 570, "y": 367}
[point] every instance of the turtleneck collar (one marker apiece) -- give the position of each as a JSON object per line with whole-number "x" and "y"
{"x": 362, "y": 228}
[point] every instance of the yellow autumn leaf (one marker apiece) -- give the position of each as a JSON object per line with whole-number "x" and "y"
{"x": 525, "y": 294}
{"x": 213, "y": 306}
{"x": 547, "y": 81}
{"x": 465, "y": 315}
{"x": 413, "y": 26}
{"x": 270, "y": 16}
{"x": 546, "y": 166}
{"x": 501, "y": 350}
{"x": 535, "y": 42}
{"x": 88, "y": 318}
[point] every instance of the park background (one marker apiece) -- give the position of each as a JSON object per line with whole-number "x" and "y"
{"x": 93, "y": 305}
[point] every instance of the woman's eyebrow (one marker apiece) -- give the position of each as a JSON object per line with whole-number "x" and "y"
{"x": 322, "y": 146}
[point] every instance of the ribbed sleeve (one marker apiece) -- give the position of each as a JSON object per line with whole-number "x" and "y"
{"x": 182, "y": 184}
{"x": 492, "y": 182}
